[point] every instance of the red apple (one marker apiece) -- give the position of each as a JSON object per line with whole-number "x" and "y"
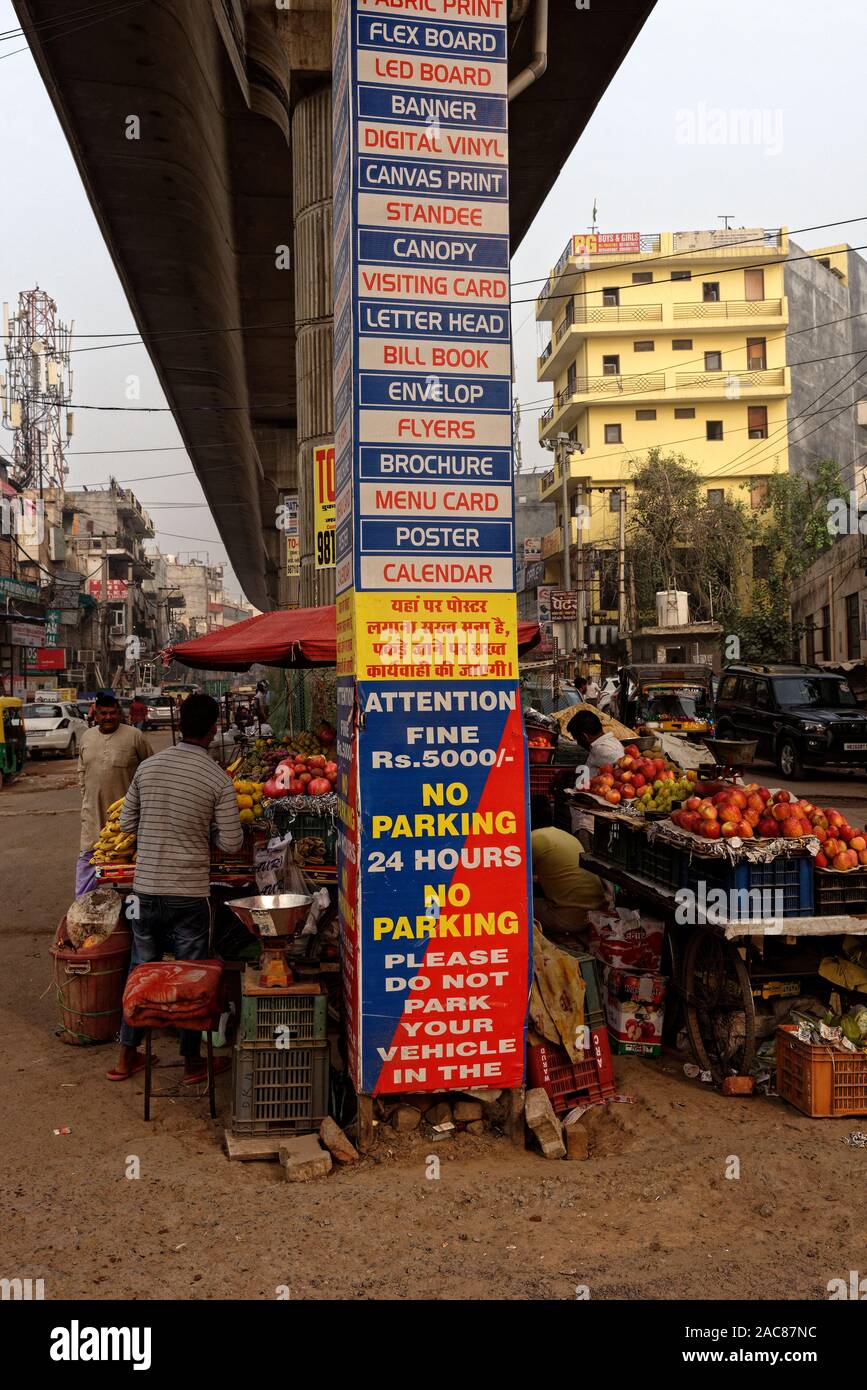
{"x": 821, "y": 861}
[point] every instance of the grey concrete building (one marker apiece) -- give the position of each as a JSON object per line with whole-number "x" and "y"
{"x": 825, "y": 343}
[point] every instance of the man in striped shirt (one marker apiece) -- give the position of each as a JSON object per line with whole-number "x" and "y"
{"x": 178, "y": 800}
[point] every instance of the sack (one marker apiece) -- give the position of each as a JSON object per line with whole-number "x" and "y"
{"x": 85, "y": 873}
{"x": 624, "y": 937}
{"x": 270, "y": 864}
{"x": 165, "y": 994}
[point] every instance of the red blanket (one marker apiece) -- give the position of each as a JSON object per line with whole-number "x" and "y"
{"x": 163, "y": 994}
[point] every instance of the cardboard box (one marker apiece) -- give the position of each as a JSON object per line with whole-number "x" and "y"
{"x": 634, "y": 1008}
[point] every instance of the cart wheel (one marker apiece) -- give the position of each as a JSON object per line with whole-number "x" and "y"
{"x": 719, "y": 1010}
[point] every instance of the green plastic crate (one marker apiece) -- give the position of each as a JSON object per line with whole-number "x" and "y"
{"x": 303, "y": 1017}
{"x": 279, "y": 1090}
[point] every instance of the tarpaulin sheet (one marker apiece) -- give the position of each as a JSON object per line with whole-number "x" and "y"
{"x": 293, "y": 637}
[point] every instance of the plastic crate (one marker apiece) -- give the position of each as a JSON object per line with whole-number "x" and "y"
{"x": 790, "y": 877}
{"x": 305, "y": 825}
{"x": 279, "y": 1090}
{"x": 303, "y": 1016}
{"x": 820, "y": 1081}
{"x": 545, "y": 780}
{"x": 660, "y": 862}
{"x": 594, "y": 1007}
{"x": 567, "y": 1083}
{"x": 617, "y": 842}
{"x": 840, "y": 893}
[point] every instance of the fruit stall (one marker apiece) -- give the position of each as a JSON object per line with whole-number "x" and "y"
{"x": 762, "y": 900}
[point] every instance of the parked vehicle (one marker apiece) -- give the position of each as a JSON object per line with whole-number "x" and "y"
{"x": 608, "y": 693}
{"x": 666, "y": 699}
{"x": 800, "y": 716}
{"x": 13, "y": 739}
{"x": 161, "y": 711}
{"x": 54, "y": 728}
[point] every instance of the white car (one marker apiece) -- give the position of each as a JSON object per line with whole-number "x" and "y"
{"x": 54, "y": 728}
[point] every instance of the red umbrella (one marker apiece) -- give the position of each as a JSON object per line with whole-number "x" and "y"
{"x": 285, "y": 637}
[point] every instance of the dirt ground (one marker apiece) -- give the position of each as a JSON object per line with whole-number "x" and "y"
{"x": 650, "y": 1215}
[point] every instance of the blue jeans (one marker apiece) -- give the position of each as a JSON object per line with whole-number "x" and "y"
{"x": 181, "y": 925}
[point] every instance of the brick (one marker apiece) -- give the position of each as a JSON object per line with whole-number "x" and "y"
{"x": 340, "y": 1148}
{"x": 301, "y": 1158}
{"x": 466, "y": 1110}
{"x": 405, "y": 1119}
{"x": 577, "y": 1142}
{"x": 738, "y": 1086}
{"x": 540, "y": 1118}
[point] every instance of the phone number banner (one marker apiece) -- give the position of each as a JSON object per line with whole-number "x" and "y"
{"x": 432, "y": 751}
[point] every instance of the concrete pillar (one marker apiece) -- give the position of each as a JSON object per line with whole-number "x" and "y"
{"x": 314, "y": 310}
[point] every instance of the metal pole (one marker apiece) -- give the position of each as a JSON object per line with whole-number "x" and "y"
{"x": 621, "y": 568}
{"x": 580, "y": 557}
{"x": 562, "y": 459}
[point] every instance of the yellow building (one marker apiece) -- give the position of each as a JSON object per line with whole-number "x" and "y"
{"x": 676, "y": 340}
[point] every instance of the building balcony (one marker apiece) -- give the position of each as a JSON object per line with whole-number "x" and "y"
{"x": 644, "y": 388}
{"x": 729, "y": 315}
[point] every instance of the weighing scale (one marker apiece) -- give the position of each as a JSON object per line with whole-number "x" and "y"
{"x": 275, "y": 920}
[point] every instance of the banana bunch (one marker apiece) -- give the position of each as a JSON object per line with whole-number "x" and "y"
{"x": 233, "y": 767}
{"x": 114, "y": 846}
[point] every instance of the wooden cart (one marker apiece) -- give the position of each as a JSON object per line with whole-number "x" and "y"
{"x": 717, "y": 968}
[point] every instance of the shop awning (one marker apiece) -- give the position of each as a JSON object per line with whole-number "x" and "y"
{"x": 286, "y": 637}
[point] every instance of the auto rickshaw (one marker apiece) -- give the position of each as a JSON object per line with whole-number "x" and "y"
{"x": 658, "y": 698}
{"x": 13, "y": 739}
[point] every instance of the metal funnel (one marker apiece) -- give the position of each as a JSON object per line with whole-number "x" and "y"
{"x": 281, "y": 914}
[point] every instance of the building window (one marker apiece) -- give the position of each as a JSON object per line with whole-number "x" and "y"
{"x": 611, "y": 366}
{"x": 611, "y": 296}
{"x": 645, "y": 345}
{"x": 684, "y": 412}
{"x": 810, "y": 635}
{"x": 645, "y": 414}
{"x": 757, "y": 357}
{"x": 757, "y": 421}
{"x": 681, "y": 344}
{"x": 571, "y": 381}
{"x": 614, "y": 500}
{"x": 853, "y": 628}
{"x": 710, "y": 291}
{"x": 826, "y": 633}
{"x": 642, "y": 277}
{"x": 681, "y": 275}
{"x": 758, "y": 495}
{"x": 716, "y": 496}
{"x": 761, "y": 562}
{"x": 117, "y": 620}
{"x": 714, "y": 429}
{"x": 613, "y": 434}
{"x": 713, "y": 361}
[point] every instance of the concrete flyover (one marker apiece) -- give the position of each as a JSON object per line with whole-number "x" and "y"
{"x": 201, "y": 130}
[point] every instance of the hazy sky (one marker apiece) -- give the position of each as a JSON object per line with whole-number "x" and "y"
{"x": 651, "y": 156}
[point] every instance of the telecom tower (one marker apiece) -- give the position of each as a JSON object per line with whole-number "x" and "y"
{"x": 36, "y": 390}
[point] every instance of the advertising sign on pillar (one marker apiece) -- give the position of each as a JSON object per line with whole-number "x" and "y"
{"x": 436, "y": 945}
{"x": 323, "y": 505}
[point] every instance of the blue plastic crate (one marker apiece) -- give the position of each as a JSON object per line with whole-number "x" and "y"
{"x": 791, "y": 877}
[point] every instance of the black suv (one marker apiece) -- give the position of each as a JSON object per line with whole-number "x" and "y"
{"x": 800, "y": 716}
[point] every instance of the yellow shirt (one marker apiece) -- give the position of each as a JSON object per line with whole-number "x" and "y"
{"x": 106, "y": 766}
{"x": 557, "y": 866}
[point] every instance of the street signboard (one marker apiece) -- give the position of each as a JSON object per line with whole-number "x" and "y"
{"x": 436, "y": 948}
{"x": 323, "y": 505}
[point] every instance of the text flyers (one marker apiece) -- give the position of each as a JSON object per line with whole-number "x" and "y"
{"x": 433, "y": 850}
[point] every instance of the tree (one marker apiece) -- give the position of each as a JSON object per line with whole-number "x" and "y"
{"x": 677, "y": 539}
{"x": 793, "y": 515}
